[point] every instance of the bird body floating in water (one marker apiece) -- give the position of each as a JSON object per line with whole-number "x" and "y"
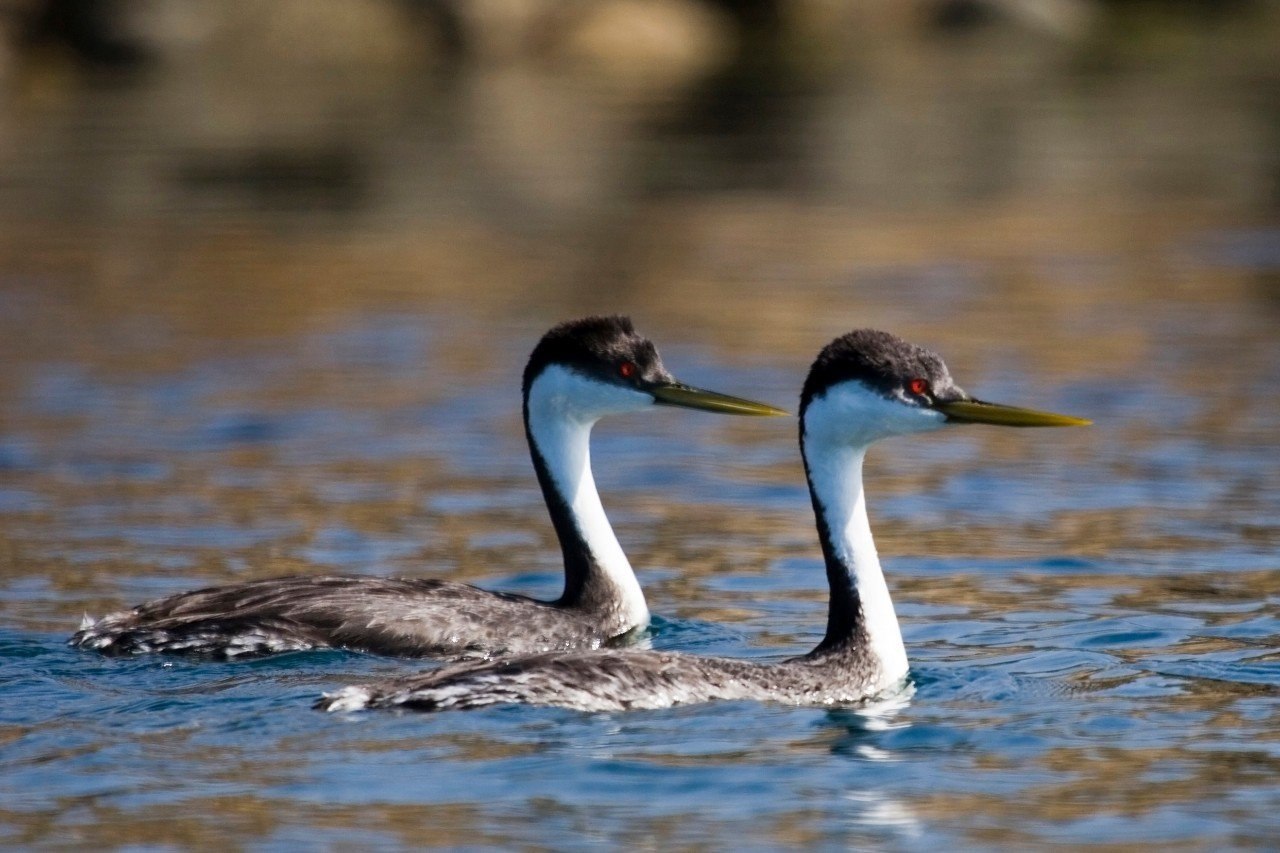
{"x": 863, "y": 387}
{"x": 579, "y": 372}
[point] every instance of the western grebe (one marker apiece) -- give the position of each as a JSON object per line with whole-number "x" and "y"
{"x": 578, "y": 373}
{"x": 863, "y": 387}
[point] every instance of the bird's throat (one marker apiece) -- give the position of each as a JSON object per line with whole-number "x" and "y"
{"x": 861, "y": 618}
{"x": 598, "y": 576}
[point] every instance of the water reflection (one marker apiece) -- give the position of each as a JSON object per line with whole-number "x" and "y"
{"x": 264, "y": 306}
{"x": 887, "y": 815}
{"x": 860, "y": 728}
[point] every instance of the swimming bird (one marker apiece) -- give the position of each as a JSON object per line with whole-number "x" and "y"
{"x": 579, "y": 372}
{"x": 865, "y": 386}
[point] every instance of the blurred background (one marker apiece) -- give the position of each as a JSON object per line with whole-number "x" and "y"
{"x": 243, "y": 169}
{"x": 269, "y": 272}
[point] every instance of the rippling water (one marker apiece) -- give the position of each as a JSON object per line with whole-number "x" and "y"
{"x": 198, "y": 391}
{"x": 1091, "y": 616}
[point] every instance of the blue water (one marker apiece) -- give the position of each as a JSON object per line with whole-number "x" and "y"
{"x": 206, "y": 379}
{"x": 1093, "y": 642}
{"x": 1092, "y": 720}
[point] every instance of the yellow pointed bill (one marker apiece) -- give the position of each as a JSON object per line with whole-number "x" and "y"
{"x": 675, "y": 394}
{"x": 978, "y": 412}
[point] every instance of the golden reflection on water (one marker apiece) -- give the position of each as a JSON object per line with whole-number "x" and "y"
{"x": 1055, "y": 236}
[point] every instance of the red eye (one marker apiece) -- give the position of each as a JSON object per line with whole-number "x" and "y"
{"x": 627, "y": 369}
{"x": 919, "y": 387}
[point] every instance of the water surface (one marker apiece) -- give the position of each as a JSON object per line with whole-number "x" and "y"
{"x": 206, "y": 380}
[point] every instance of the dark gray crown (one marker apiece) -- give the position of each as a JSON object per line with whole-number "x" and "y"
{"x": 598, "y": 347}
{"x": 881, "y": 361}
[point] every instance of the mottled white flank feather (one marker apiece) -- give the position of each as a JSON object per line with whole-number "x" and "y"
{"x": 563, "y": 407}
{"x": 349, "y": 699}
{"x": 839, "y": 427}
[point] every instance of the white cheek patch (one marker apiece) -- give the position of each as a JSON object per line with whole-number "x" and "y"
{"x": 563, "y": 393}
{"x": 853, "y": 414}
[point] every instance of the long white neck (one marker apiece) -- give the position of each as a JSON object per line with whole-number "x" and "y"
{"x": 838, "y": 425}
{"x": 860, "y": 602}
{"x": 597, "y": 571}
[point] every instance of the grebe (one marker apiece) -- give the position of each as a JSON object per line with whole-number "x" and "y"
{"x": 864, "y": 386}
{"x": 578, "y": 373}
